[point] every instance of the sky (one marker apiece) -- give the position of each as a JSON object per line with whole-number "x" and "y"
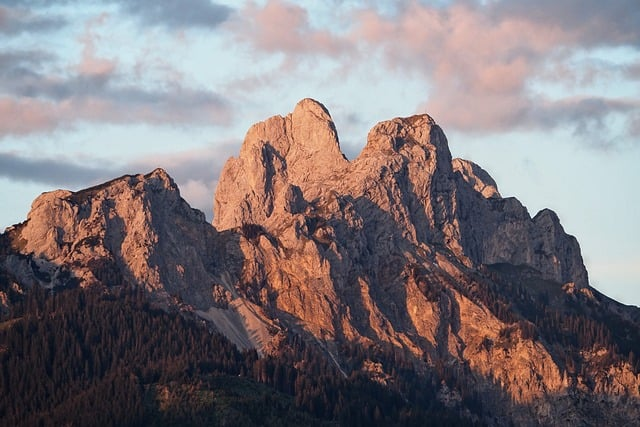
{"x": 544, "y": 95}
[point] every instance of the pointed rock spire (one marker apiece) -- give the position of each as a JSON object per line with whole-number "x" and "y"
{"x": 404, "y": 181}
{"x": 477, "y": 177}
{"x": 301, "y": 149}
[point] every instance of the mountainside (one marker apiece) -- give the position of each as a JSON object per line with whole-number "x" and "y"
{"x": 401, "y": 264}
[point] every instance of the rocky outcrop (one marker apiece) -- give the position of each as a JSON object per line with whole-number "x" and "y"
{"x": 135, "y": 230}
{"x": 402, "y": 248}
{"x": 476, "y": 177}
{"x": 303, "y": 144}
{"x": 286, "y": 165}
{"x": 382, "y": 249}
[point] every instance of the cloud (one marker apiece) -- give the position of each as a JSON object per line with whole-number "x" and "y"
{"x": 279, "y": 26}
{"x": 584, "y": 22}
{"x": 203, "y": 164}
{"x": 478, "y": 68}
{"x": 196, "y": 165}
{"x": 634, "y": 126}
{"x": 14, "y": 21}
{"x": 17, "y": 62}
{"x": 583, "y": 110}
{"x": 489, "y": 67}
{"x": 94, "y": 90}
{"x": 38, "y": 103}
{"x": 90, "y": 64}
{"x": 632, "y": 71}
{"x": 199, "y": 195}
{"x": 52, "y": 171}
{"x": 175, "y": 105}
{"x": 195, "y": 171}
{"x": 171, "y": 14}
{"x": 483, "y": 61}
{"x": 179, "y": 15}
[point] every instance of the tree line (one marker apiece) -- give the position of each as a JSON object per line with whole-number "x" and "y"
{"x": 106, "y": 356}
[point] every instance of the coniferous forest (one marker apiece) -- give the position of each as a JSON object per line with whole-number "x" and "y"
{"x": 106, "y": 357}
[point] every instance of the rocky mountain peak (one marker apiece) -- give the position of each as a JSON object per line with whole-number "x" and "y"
{"x": 307, "y": 131}
{"x": 392, "y": 246}
{"x": 403, "y": 253}
{"x": 301, "y": 149}
{"x": 406, "y": 171}
{"x": 161, "y": 179}
{"x": 476, "y": 177}
{"x": 133, "y": 229}
{"x": 402, "y": 135}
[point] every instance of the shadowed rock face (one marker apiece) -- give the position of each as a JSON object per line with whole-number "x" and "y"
{"x": 287, "y": 165}
{"x": 397, "y": 247}
{"x": 384, "y": 248}
{"x": 135, "y": 229}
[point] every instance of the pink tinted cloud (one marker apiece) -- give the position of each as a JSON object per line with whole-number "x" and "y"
{"x": 90, "y": 64}
{"x": 279, "y": 26}
{"x": 22, "y": 116}
{"x": 587, "y": 23}
{"x": 480, "y": 64}
{"x": 477, "y": 68}
{"x": 479, "y": 61}
{"x": 471, "y": 61}
{"x": 25, "y": 115}
{"x": 93, "y": 90}
{"x": 16, "y": 20}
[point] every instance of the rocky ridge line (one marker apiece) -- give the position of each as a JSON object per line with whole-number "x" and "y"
{"x": 398, "y": 247}
{"x": 288, "y": 164}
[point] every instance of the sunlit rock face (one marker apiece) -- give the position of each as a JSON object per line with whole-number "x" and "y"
{"x": 404, "y": 179}
{"x": 135, "y": 229}
{"x": 384, "y": 248}
{"x": 396, "y": 248}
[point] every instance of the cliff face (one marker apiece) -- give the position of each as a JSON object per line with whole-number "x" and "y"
{"x": 288, "y": 167}
{"x": 402, "y": 247}
{"x": 135, "y": 230}
{"x": 385, "y": 248}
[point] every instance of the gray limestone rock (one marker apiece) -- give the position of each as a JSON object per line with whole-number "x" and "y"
{"x": 391, "y": 248}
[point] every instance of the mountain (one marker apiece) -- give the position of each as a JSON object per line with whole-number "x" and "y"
{"x": 403, "y": 267}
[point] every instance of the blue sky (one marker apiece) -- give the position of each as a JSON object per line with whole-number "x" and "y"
{"x": 544, "y": 95}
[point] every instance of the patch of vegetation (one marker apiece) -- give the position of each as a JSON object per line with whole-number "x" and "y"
{"x": 570, "y": 322}
{"x": 104, "y": 356}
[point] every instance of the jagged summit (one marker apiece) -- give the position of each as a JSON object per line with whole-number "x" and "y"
{"x": 158, "y": 175}
{"x": 304, "y": 145}
{"x": 119, "y": 231}
{"x": 406, "y": 171}
{"x": 476, "y": 177}
{"x": 402, "y": 265}
{"x": 396, "y": 134}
